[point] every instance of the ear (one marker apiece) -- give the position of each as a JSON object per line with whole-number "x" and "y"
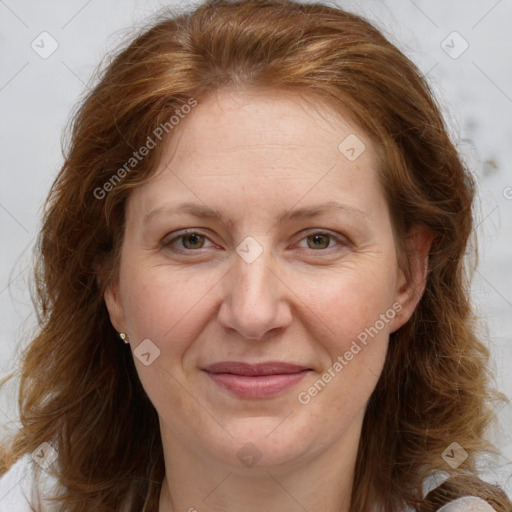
{"x": 114, "y": 306}
{"x": 411, "y": 281}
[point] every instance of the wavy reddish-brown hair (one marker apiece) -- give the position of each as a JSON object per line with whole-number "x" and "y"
{"x": 79, "y": 389}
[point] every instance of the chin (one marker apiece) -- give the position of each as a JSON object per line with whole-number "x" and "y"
{"x": 263, "y": 442}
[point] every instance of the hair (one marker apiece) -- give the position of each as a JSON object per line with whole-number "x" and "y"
{"x": 79, "y": 389}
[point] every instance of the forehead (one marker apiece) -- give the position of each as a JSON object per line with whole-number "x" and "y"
{"x": 271, "y": 147}
{"x": 260, "y": 121}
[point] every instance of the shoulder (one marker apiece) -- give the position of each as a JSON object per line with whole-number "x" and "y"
{"x": 18, "y": 490}
{"x": 467, "y": 504}
{"x": 16, "y": 487}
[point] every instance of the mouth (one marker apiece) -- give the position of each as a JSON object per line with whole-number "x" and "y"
{"x": 262, "y": 380}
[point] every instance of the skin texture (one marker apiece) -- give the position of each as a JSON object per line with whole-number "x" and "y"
{"x": 255, "y": 156}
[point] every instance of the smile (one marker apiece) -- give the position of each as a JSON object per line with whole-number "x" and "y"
{"x": 263, "y": 380}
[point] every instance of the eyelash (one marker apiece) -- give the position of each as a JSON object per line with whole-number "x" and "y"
{"x": 166, "y": 244}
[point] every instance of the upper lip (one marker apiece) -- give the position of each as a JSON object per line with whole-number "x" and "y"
{"x": 266, "y": 368}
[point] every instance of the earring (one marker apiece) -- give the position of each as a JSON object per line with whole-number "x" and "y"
{"x": 124, "y": 337}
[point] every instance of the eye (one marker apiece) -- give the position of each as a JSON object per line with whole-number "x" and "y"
{"x": 321, "y": 240}
{"x": 191, "y": 241}
{"x": 187, "y": 241}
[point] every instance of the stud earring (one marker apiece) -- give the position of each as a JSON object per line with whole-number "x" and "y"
{"x": 124, "y": 337}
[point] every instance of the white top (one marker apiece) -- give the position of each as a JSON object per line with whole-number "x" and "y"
{"x": 467, "y": 504}
{"x": 16, "y": 488}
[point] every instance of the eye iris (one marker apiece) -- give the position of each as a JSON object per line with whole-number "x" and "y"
{"x": 193, "y": 238}
{"x": 318, "y": 241}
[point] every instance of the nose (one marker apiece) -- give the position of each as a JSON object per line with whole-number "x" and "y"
{"x": 255, "y": 300}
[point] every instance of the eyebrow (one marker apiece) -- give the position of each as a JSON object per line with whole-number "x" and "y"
{"x": 205, "y": 212}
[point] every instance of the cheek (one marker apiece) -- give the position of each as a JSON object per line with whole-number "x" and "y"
{"x": 350, "y": 300}
{"x": 355, "y": 311}
{"x": 164, "y": 305}
{"x": 166, "y": 308}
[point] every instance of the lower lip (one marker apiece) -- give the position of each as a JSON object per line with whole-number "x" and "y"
{"x": 262, "y": 386}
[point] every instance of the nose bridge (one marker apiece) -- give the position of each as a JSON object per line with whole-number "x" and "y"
{"x": 253, "y": 303}
{"x": 251, "y": 283}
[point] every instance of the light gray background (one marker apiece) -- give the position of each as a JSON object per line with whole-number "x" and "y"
{"x": 37, "y": 95}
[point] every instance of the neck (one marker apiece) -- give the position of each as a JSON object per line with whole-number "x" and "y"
{"x": 322, "y": 481}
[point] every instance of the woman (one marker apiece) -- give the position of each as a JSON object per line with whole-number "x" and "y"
{"x": 260, "y": 198}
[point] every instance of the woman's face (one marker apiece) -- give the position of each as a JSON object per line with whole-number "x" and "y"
{"x": 259, "y": 334}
